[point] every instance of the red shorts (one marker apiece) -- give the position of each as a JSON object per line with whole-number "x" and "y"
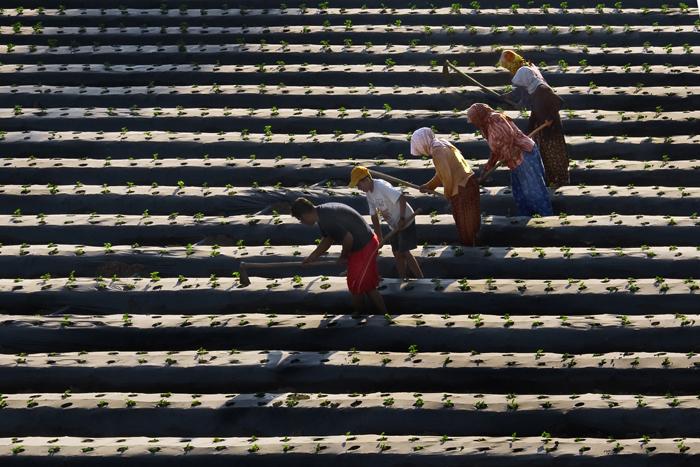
{"x": 362, "y": 268}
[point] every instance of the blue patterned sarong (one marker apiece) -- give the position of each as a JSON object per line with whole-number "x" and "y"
{"x": 528, "y": 185}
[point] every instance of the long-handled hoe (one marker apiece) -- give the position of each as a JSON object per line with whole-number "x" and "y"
{"x": 449, "y": 66}
{"x": 399, "y": 181}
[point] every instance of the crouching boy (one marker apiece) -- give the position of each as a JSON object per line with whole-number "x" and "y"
{"x": 341, "y": 224}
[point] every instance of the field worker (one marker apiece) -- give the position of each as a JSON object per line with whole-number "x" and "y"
{"x": 390, "y": 202}
{"x": 531, "y": 91}
{"x": 519, "y": 153}
{"x": 341, "y": 224}
{"x": 455, "y": 175}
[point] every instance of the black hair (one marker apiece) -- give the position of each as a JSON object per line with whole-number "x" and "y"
{"x": 302, "y": 206}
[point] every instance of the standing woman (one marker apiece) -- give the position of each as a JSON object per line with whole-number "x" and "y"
{"x": 510, "y": 147}
{"x": 455, "y": 175}
{"x": 532, "y": 91}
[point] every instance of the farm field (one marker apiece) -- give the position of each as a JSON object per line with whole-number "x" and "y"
{"x": 148, "y": 148}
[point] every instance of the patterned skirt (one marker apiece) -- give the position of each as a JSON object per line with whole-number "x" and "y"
{"x": 466, "y": 211}
{"x": 545, "y": 106}
{"x": 528, "y": 185}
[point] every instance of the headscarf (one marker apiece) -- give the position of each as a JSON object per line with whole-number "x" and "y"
{"x": 482, "y": 116}
{"x": 511, "y": 61}
{"x": 423, "y": 141}
{"x": 479, "y": 116}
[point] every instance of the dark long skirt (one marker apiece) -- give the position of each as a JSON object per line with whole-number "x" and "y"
{"x": 545, "y": 106}
{"x": 466, "y": 211}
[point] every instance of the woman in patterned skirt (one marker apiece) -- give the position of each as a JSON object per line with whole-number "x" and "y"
{"x": 517, "y": 151}
{"x": 530, "y": 90}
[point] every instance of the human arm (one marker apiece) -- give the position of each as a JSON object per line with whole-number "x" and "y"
{"x": 441, "y": 161}
{"x": 500, "y": 136}
{"x": 402, "y": 213}
{"x": 518, "y": 97}
{"x": 347, "y": 247}
{"x": 377, "y": 226}
{"x": 322, "y": 247}
{"x": 486, "y": 172}
{"x": 373, "y": 212}
{"x": 487, "y": 168}
{"x": 431, "y": 184}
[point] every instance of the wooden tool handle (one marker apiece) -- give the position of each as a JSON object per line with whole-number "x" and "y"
{"x": 466, "y": 76}
{"x": 505, "y": 99}
{"x": 396, "y": 231}
{"x": 389, "y": 178}
{"x": 398, "y": 181}
{"x": 540, "y": 128}
{"x": 483, "y": 177}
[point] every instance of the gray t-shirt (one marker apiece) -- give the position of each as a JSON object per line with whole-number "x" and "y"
{"x": 337, "y": 219}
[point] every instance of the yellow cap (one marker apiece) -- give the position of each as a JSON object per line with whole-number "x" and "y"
{"x": 357, "y": 174}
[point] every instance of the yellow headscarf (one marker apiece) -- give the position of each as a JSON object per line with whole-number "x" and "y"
{"x": 511, "y": 61}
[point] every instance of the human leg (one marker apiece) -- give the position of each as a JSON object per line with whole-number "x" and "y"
{"x": 358, "y": 303}
{"x": 466, "y": 212}
{"x": 400, "y": 258}
{"x": 413, "y": 266}
{"x": 402, "y": 244}
{"x": 521, "y": 206}
{"x": 378, "y": 301}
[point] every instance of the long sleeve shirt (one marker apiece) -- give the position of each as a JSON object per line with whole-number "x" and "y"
{"x": 520, "y": 97}
{"x": 506, "y": 142}
{"x": 451, "y": 170}
{"x": 529, "y": 78}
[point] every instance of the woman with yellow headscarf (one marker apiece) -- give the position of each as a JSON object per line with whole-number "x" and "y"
{"x": 530, "y": 90}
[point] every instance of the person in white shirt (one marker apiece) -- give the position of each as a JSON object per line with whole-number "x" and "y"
{"x": 531, "y": 91}
{"x": 390, "y": 202}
